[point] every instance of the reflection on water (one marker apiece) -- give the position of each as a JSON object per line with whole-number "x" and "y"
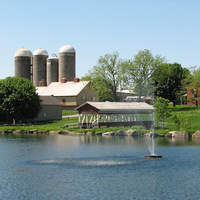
{"x": 97, "y": 167}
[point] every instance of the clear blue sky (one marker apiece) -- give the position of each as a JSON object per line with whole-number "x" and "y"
{"x": 170, "y": 28}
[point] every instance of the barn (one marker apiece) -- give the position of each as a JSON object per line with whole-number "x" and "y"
{"x": 69, "y": 93}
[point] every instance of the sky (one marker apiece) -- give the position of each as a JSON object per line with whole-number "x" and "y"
{"x": 170, "y": 28}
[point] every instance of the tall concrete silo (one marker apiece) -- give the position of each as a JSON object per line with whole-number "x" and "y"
{"x": 23, "y": 59}
{"x": 52, "y": 70}
{"x": 67, "y": 63}
{"x": 39, "y": 66}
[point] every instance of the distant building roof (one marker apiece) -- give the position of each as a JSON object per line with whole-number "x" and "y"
{"x": 134, "y": 97}
{"x": 116, "y": 107}
{"x": 126, "y": 91}
{"x": 63, "y": 89}
{"x": 49, "y": 100}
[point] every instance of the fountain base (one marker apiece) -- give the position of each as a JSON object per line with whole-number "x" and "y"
{"x": 153, "y": 156}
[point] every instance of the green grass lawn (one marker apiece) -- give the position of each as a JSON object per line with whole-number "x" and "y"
{"x": 54, "y": 125}
{"x": 189, "y": 117}
{"x": 189, "y": 121}
{"x": 69, "y": 112}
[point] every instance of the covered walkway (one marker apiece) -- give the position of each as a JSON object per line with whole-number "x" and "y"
{"x": 97, "y": 114}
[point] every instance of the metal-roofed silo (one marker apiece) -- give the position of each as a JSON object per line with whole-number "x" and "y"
{"x": 52, "y": 70}
{"x": 67, "y": 63}
{"x": 23, "y": 59}
{"x": 39, "y": 66}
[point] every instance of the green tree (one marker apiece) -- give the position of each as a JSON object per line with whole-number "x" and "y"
{"x": 161, "y": 112}
{"x": 18, "y": 100}
{"x": 105, "y": 77}
{"x": 138, "y": 71}
{"x": 168, "y": 81}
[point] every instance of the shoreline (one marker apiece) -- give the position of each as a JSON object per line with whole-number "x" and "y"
{"x": 130, "y": 132}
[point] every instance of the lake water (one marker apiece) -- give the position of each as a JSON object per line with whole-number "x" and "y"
{"x": 97, "y": 167}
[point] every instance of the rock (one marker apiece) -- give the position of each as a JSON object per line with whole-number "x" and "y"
{"x": 179, "y": 134}
{"x": 43, "y": 132}
{"x": 155, "y": 134}
{"x": 17, "y": 132}
{"x": 34, "y": 131}
{"x": 108, "y": 133}
{"x": 131, "y": 132}
{"x": 99, "y": 133}
{"x": 149, "y": 134}
{"x": 7, "y": 131}
{"x": 168, "y": 134}
{"x": 63, "y": 132}
{"x": 75, "y": 133}
{"x": 53, "y": 132}
{"x": 89, "y": 133}
{"x": 196, "y": 135}
{"x": 120, "y": 133}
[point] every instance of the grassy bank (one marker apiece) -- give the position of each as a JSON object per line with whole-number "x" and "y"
{"x": 188, "y": 117}
{"x": 69, "y": 112}
{"x": 183, "y": 118}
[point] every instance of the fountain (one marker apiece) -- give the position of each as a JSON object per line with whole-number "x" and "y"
{"x": 151, "y": 144}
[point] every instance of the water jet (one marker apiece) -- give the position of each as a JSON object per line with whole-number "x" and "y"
{"x": 151, "y": 143}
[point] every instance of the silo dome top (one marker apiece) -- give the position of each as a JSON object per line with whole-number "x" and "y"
{"x": 23, "y": 52}
{"x": 67, "y": 49}
{"x": 40, "y": 52}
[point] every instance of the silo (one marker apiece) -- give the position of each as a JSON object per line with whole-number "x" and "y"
{"x": 52, "y": 70}
{"x": 39, "y": 66}
{"x": 23, "y": 59}
{"x": 67, "y": 63}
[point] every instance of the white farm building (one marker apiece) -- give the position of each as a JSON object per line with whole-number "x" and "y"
{"x": 69, "y": 93}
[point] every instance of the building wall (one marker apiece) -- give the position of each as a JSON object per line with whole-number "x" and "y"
{"x": 50, "y": 112}
{"x": 67, "y": 101}
{"x": 72, "y": 102}
{"x": 86, "y": 94}
{"x": 191, "y": 99}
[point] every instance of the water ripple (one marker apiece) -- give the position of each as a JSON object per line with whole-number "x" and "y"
{"x": 91, "y": 162}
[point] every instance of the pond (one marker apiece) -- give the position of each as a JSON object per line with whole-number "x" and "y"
{"x": 97, "y": 167}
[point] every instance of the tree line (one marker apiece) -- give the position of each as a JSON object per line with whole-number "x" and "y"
{"x": 145, "y": 74}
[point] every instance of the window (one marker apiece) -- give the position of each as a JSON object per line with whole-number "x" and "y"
{"x": 83, "y": 98}
{"x": 63, "y": 102}
{"x": 92, "y": 98}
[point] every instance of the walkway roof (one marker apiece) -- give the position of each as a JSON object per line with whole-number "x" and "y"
{"x": 116, "y": 107}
